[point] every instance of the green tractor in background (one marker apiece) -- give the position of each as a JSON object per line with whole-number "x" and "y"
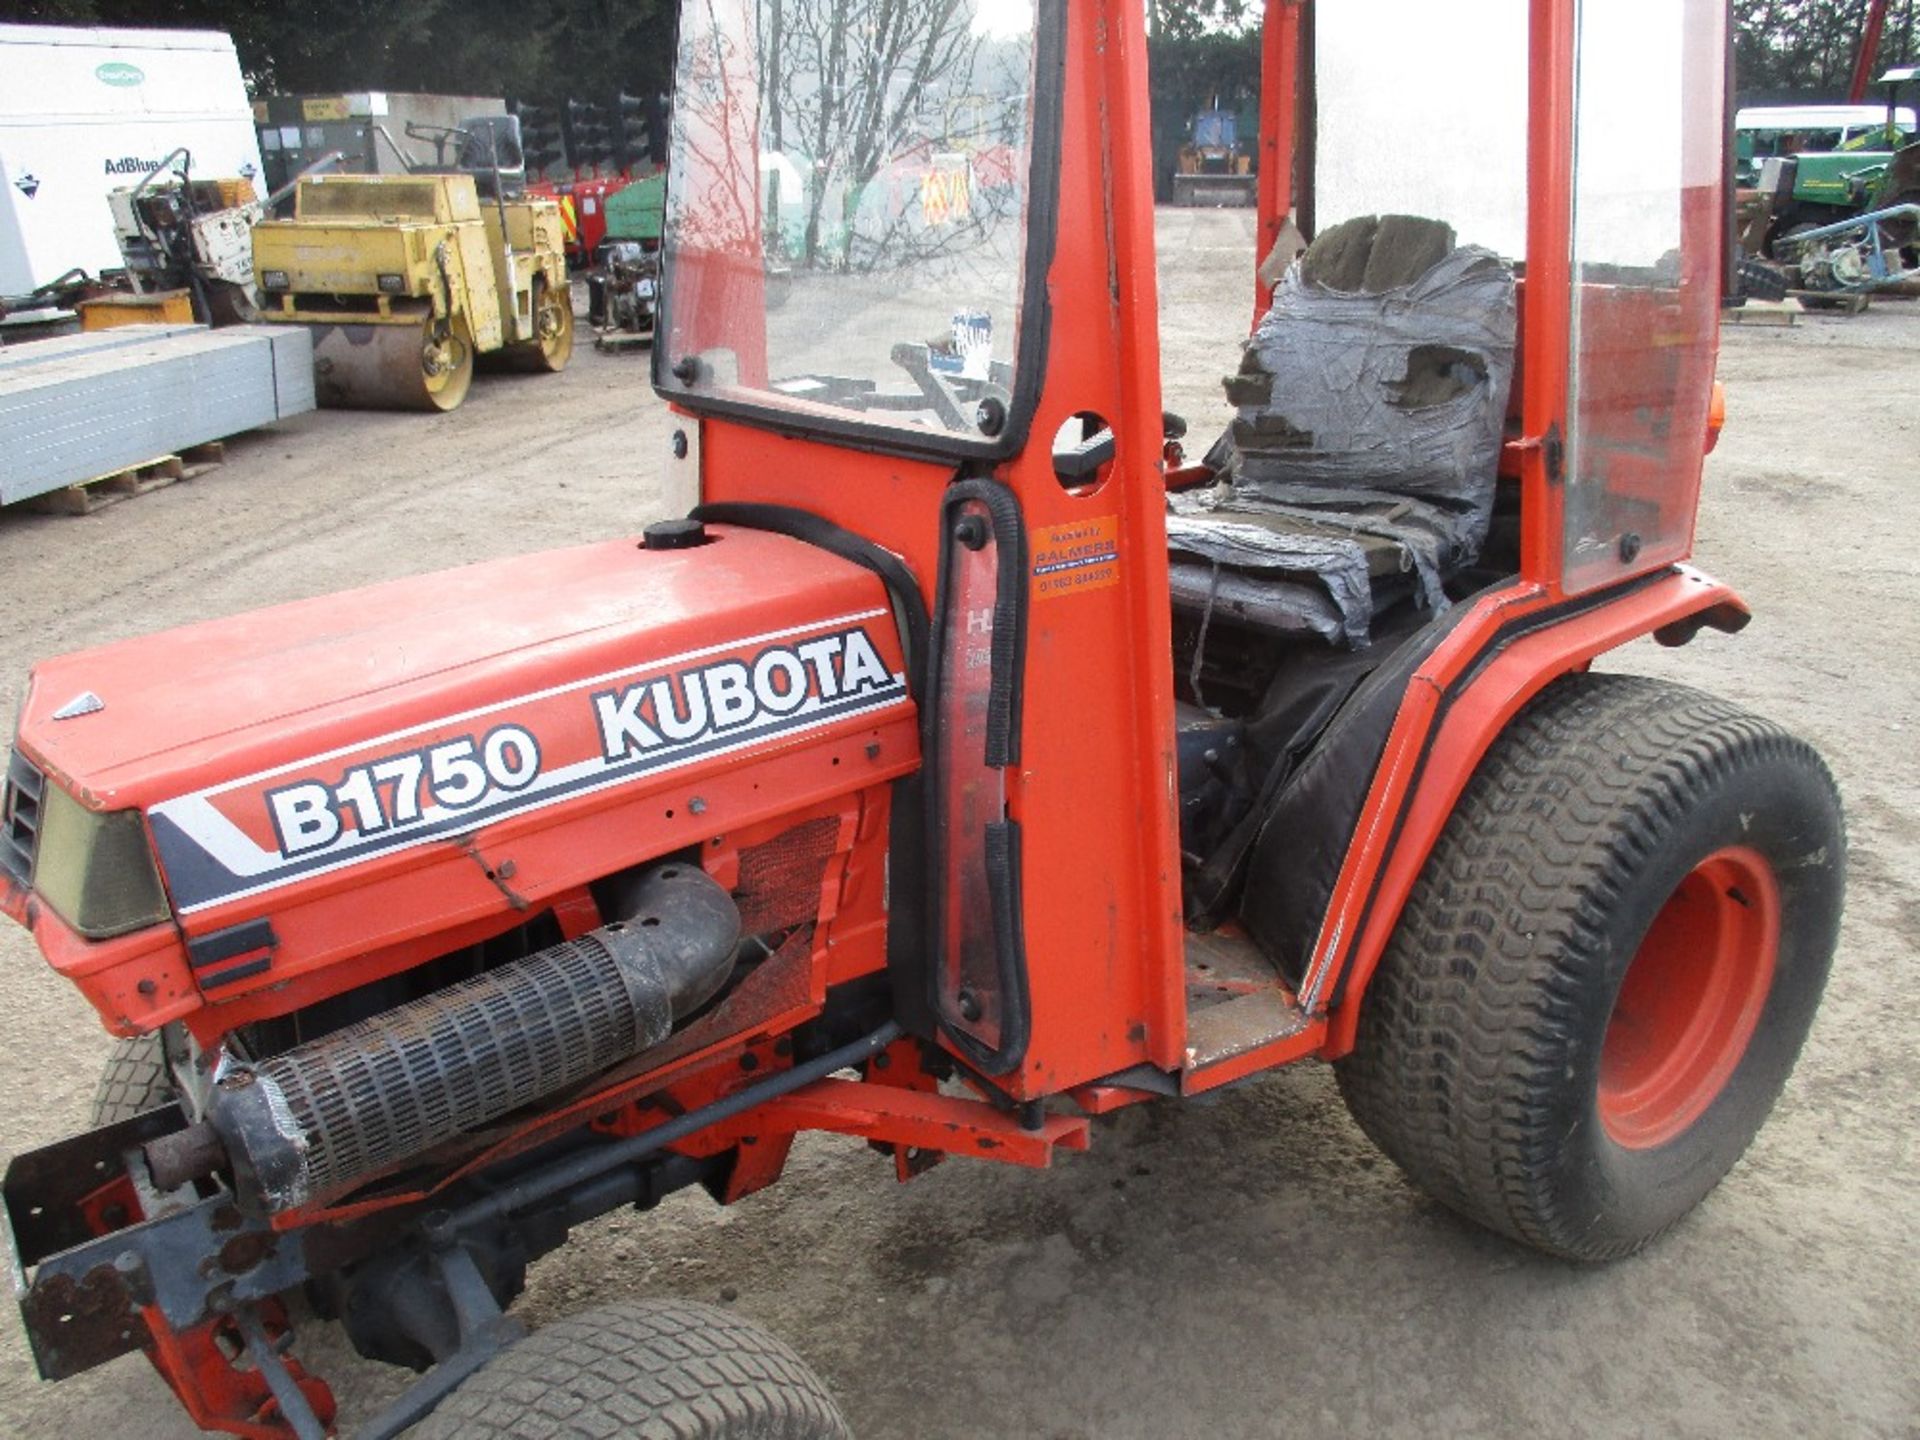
{"x": 1807, "y": 190}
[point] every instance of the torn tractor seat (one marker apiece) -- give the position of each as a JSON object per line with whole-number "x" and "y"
{"x": 1361, "y": 463}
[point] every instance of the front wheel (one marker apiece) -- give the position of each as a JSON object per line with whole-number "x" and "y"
{"x": 659, "y": 1370}
{"x": 1607, "y": 969}
{"x": 134, "y": 1080}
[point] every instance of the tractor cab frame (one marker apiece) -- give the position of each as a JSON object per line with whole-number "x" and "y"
{"x": 1069, "y": 593}
{"x": 856, "y": 801}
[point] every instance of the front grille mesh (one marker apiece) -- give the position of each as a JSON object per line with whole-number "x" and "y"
{"x": 20, "y": 817}
{"x": 390, "y": 1087}
{"x": 780, "y": 878}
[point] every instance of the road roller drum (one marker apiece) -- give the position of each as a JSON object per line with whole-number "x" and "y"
{"x": 425, "y": 366}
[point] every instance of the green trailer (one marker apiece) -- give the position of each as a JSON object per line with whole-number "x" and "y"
{"x": 638, "y": 212}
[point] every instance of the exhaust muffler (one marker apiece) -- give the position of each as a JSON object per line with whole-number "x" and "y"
{"x": 325, "y": 1116}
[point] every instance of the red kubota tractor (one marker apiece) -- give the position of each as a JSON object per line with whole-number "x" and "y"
{"x": 966, "y": 767}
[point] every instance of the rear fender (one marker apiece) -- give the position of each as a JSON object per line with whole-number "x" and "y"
{"x": 1511, "y": 647}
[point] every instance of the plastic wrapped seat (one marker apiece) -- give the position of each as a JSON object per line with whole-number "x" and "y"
{"x": 1361, "y": 463}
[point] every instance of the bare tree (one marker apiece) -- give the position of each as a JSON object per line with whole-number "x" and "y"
{"x": 848, "y": 79}
{"x": 1805, "y": 49}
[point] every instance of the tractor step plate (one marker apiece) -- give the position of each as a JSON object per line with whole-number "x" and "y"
{"x": 1237, "y": 1005}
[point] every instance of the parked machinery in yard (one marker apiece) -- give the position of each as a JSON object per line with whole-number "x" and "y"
{"x": 186, "y": 243}
{"x": 1801, "y": 191}
{"x": 935, "y": 783}
{"x": 623, "y": 290}
{"x": 623, "y": 285}
{"x": 1857, "y": 256}
{"x": 406, "y": 279}
{"x": 1214, "y": 167}
{"x": 186, "y": 252}
{"x": 191, "y": 237}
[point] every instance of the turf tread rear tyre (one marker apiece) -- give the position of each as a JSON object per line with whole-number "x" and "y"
{"x": 1501, "y": 974}
{"x": 653, "y": 1370}
{"x": 135, "y": 1080}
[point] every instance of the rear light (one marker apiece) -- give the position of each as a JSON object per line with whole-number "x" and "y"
{"x": 273, "y": 280}
{"x": 393, "y": 284}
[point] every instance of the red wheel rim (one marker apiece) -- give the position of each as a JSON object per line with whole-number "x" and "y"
{"x": 1691, "y": 999}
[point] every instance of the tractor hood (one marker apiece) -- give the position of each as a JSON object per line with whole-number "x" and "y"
{"x": 274, "y": 745}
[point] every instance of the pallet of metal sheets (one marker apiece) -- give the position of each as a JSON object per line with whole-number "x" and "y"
{"x": 89, "y": 411}
{"x": 85, "y": 342}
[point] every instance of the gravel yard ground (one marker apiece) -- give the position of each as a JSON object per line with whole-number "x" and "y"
{"x": 1247, "y": 1266}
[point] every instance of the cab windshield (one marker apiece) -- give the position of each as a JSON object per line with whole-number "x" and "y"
{"x": 847, "y": 210}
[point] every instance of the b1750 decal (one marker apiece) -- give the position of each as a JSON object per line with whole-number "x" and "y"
{"x": 456, "y": 775}
{"x": 398, "y": 790}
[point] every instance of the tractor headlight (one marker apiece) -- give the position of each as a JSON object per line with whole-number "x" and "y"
{"x": 273, "y": 280}
{"x": 393, "y": 284}
{"x": 96, "y": 869}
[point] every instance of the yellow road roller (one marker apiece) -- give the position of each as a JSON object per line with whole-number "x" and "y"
{"x": 406, "y": 279}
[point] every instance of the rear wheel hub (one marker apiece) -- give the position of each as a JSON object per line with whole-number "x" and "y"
{"x": 1691, "y": 999}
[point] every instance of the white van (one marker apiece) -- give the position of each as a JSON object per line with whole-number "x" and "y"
{"x": 86, "y": 111}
